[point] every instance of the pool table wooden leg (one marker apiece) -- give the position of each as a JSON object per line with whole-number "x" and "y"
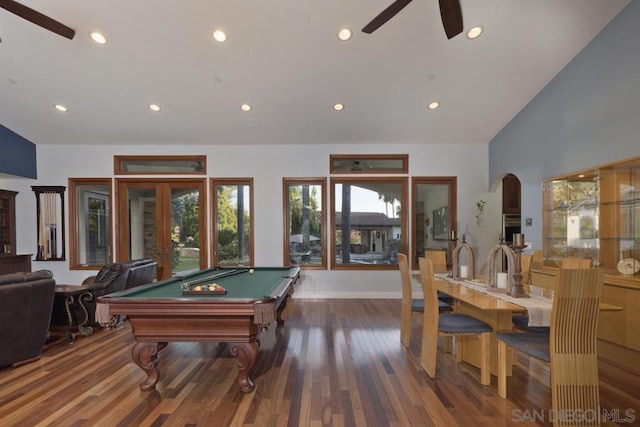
{"x": 145, "y": 355}
{"x": 247, "y": 354}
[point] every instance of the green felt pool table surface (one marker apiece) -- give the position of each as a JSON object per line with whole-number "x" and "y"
{"x": 263, "y": 282}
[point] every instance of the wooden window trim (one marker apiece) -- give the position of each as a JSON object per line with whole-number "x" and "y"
{"x": 74, "y": 221}
{"x": 213, "y": 182}
{"x": 286, "y": 183}
{"x": 404, "y": 158}
{"x": 404, "y": 202}
{"x": 452, "y": 181}
{"x": 119, "y": 161}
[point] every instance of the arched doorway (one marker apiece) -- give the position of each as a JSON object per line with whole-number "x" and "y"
{"x": 511, "y": 219}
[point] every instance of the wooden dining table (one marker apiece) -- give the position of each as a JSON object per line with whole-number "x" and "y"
{"x": 488, "y": 308}
{"x": 482, "y": 306}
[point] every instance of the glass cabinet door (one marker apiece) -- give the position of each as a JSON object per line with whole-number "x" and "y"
{"x": 620, "y": 217}
{"x": 571, "y": 218}
{"x": 595, "y": 214}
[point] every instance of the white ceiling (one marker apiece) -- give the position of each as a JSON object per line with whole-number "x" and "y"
{"x": 283, "y": 57}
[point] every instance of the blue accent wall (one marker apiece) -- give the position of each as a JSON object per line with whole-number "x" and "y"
{"x": 586, "y": 116}
{"x": 17, "y": 155}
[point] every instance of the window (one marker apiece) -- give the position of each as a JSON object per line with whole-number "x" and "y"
{"x": 90, "y": 223}
{"x": 304, "y": 216}
{"x": 354, "y": 164}
{"x": 433, "y": 214}
{"x": 370, "y": 212}
{"x": 160, "y": 165}
{"x": 233, "y": 221}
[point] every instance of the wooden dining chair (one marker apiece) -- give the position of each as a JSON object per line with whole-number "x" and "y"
{"x": 410, "y": 305}
{"x": 576, "y": 263}
{"x": 449, "y": 325}
{"x": 521, "y": 321}
{"x": 438, "y": 259}
{"x": 570, "y": 347}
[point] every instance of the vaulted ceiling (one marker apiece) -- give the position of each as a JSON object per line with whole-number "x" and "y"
{"x": 283, "y": 57}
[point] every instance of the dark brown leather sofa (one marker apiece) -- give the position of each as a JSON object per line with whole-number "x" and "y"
{"x": 26, "y": 300}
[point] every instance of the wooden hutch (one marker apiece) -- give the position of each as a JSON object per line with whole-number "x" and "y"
{"x": 595, "y": 213}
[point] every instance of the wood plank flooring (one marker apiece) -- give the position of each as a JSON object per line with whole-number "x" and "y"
{"x": 333, "y": 363}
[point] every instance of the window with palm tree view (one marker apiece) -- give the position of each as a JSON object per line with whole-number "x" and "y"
{"x": 369, "y": 225}
{"x": 305, "y": 222}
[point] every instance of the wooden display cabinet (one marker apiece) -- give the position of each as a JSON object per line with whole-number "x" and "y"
{"x": 8, "y": 222}
{"x": 596, "y": 213}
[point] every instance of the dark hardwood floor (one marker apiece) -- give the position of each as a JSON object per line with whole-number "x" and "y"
{"x": 333, "y": 363}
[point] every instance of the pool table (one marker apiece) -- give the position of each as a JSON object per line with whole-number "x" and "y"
{"x": 170, "y": 311}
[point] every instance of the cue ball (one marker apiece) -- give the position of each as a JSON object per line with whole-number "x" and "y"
{"x": 251, "y": 271}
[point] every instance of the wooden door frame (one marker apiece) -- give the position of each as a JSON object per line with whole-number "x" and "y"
{"x": 163, "y": 185}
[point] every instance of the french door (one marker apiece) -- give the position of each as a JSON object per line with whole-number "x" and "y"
{"x": 163, "y": 219}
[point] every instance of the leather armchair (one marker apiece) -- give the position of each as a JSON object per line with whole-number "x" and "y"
{"x": 117, "y": 277}
{"x": 26, "y": 301}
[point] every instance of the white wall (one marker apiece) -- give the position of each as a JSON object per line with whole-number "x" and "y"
{"x": 268, "y": 165}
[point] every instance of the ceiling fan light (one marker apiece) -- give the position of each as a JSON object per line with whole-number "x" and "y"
{"x": 219, "y": 36}
{"x": 475, "y": 32}
{"x": 60, "y": 108}
{"x": 98, "y": 37}
{"x": 433, "y": 105}
{"x": 344, "y": 34}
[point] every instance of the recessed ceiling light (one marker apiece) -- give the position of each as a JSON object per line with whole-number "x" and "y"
{"x": 475, "y": 32}
{"x": 219, "y": 36}
{"x": 245, "y": 107}
{"x": 98, "y": 37}
{"x": 433, "y": 105}
{"x": 154, "y": 107}
{"x": 60, "y": 108}
{"x": 344, "y": 34}
{"x": 338, "y": 107}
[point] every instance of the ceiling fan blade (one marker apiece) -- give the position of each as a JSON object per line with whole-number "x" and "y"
{"x": 37, "y": 18}
{"x": 385, "y": 15}
{"x": 451, "y": 14}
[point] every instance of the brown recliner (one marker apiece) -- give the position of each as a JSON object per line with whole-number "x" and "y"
{"x": 26, "y": 301}
{"x": 110, "y": 279}
{"x": 140, "y": 272}
{"x": 117, "y": 277}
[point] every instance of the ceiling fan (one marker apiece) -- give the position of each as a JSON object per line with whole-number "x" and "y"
{"x": 450, "y": 12}
{"x": 37, "y": 18}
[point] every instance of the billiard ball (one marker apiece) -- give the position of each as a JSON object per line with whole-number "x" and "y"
{"x": 251, "y": 271}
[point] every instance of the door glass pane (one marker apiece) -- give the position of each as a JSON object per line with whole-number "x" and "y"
{"x": 143, "y": 233}
{"x": 233, "y": 224}
{"x": 185, "y": 229}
